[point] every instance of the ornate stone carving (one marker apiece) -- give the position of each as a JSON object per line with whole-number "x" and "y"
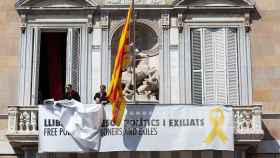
{"x": 104, "y": 21}
{"x": 146, "y": 77}
{"x": 33, "y": 120}
{"x": 146, "y": 83}
{"x": 243, "y": 120}
{"x": 180, "y": 22}
{"x": 165, "y": 20}
{"x": 12, "y": 118}
{"x": 23, "y": 23}
{"x": 247, "y": 22}
{"x": 247, "y": 120}
{"x": 22, "y": 119}
{"x": 89, "y": 24}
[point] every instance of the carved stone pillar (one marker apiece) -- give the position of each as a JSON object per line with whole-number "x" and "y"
{"x": 257, "y": 120}
{"x": 12, "y": 119}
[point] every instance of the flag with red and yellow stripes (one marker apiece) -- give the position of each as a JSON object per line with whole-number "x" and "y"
{"x": 114, "y": 94}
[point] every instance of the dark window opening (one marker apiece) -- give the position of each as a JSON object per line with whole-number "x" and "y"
{"x": 52, "y": 73}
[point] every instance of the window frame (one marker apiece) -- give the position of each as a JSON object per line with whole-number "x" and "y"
{"x": 244, "y": 56}
{"x": 30, "y": 55}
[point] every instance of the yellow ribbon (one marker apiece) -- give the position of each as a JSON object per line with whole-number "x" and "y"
{"x": 216, "y": 118}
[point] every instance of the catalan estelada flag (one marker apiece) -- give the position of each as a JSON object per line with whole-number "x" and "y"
{"x": 114, "y": 94}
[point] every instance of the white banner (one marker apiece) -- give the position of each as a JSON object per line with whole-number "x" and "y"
{"x": 148, "y": 128}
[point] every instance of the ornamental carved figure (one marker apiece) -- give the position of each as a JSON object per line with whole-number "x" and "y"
{"x": 145, "y": 70}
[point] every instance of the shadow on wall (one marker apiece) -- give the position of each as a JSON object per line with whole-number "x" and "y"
{"x": 255, "y": 14}
{"x": 268, "y": 146}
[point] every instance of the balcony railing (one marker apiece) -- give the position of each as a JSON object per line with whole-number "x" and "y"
{"x": 247, "y": 124}
{"x": 23, "y": 124}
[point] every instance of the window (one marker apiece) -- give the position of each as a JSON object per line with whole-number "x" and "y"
{"x": 59, "y": 62}
{"x": 50, "y": 58}
{"x": 214, "y": 53}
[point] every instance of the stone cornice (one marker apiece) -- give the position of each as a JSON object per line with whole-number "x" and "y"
{"x": 20, "y": 3}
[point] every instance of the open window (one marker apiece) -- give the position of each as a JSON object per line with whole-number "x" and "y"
{"x": 56, "y": 62}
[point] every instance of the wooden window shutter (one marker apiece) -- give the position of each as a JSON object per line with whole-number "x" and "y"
{"x": 232, "y": 67}
{"x": 214, "y": 66}
{"x": 209, "y": 67}
{"x": 220, "y": 66}
{"x": 196, "y": 66}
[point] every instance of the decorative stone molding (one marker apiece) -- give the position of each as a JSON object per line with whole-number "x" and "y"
{"x": 137, "y": 2}
{"x": 104, "y": 21}
{"x": 247, "y": 21}
{"x": 165, "y": 20}
{"x": 152, "y": 24}
{"x": 89, "y": 24}
{"x": 247, "y": 123}
{"x": 22, "y": 125}
{"x": 251, "y": 2}
{"x": 23, "y": 23}
{"x": 12, "y": 118}
{"x": 180, "y": 22}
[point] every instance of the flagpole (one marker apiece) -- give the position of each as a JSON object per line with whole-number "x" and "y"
{"x": 133, "y": 51}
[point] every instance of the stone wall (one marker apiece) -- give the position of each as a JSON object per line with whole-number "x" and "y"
{"x": 265, "y": 40}
{"x": 9, "y": 49}
{"x": 9, "y": 67}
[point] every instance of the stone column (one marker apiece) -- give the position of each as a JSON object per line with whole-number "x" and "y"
{"x": 187, "y": 64}
{"x": 105, "y": 53}
{"x": 96, "y": 51}
{"x": 182, "y": 62}
{"x": 244, "y": 68}
{"x": 89, "y": 62}
{"x": 174, "y": 60}
{"x": 84, "y": 64}
{"x": 164, "y": 90}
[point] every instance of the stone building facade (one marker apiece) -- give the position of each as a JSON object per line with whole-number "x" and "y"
{"x": 204, "y": 51}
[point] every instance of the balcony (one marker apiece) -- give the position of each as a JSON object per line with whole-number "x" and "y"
{"x": 23, "y": 125}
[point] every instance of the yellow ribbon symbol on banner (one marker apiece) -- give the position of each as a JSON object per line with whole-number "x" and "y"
{"x": 216, "y": 118}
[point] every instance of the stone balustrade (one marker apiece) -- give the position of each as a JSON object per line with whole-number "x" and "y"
{"x": 248, "y": 123}
{"x": 23, "y": 124}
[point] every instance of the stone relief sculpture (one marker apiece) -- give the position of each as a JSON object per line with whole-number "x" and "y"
{"x": 146, "y": 78}
{"x": 146, "y": 86}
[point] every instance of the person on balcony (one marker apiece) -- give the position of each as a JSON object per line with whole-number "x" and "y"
{"x": 101, "y": 97}
{"x": 71, "y": 94}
